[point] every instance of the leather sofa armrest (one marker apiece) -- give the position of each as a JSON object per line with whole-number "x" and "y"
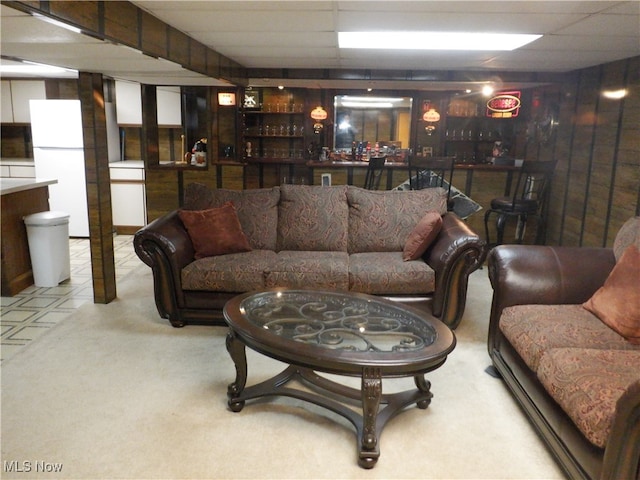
{"x": 536, "y": 274}
{"x": 456, "y": 253}
{"x": 170, "y": 236}
{"x": 166, "y": 247}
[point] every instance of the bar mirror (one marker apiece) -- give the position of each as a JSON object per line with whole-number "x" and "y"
{"x": 373, "y": 119}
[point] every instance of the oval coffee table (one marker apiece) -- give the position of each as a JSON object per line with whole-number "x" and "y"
{"x": 338, "y": 333}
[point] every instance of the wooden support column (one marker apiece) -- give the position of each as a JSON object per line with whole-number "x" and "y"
{"x": 96, "y": 159}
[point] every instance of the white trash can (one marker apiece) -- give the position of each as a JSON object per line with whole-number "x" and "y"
{"x": 48, "y": 236}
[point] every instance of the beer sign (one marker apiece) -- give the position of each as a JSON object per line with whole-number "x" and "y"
{"x": 504, "y": 105}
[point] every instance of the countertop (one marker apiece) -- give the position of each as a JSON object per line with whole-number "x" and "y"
{"x": 14, "y": 185}
{"x": 127, "y": 164}
{"x": 29, "y": 162}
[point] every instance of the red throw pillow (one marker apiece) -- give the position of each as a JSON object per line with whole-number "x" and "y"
{"x": 617, "y": 302}
{"x": 422, "y": 236}
{"x": 215, "y": 231}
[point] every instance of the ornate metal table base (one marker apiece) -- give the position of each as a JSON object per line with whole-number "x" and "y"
{"x": 377, "y": 408}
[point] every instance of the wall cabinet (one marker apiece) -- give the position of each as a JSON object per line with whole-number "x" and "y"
{"x": 129, "y": 104}
{"x": 6, "y": 112}
{"x": 15, "y": 99}
{"x": 169, "y": 106}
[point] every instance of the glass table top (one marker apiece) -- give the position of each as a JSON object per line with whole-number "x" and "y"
{"x": 338, "y": 321}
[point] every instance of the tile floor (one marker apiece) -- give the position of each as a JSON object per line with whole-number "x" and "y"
{"x": 36, "y": 309}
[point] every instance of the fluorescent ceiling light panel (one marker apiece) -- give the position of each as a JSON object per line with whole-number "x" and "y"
{"x": 57, "y": 23}
{"x": 34, "y": 69}
{"x": 434, "y": 40}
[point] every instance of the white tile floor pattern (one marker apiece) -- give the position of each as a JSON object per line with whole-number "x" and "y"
{"x": 33, "y": 311}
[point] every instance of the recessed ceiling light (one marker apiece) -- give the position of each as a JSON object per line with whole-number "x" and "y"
{"x": 615, "y": 94}
{"x": 487, "y": 90}
{"x": 434, "y": 40}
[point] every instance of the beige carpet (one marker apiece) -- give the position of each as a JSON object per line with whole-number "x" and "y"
{"x": 116, "y": 392}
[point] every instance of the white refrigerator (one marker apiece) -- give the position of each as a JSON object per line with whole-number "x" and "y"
{"x": 58, "y": 152}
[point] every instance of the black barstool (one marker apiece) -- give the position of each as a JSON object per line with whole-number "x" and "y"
{"x": 528, "y": 200}
{"x": 374, "y": 173}
{"x": 431, "y": 172}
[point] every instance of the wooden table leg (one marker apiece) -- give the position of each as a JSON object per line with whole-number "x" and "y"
{"x": 371, "y": 395}
{"x": 236, "y": 349}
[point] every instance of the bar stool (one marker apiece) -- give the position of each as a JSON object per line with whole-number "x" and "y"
{"x": 528, "y": 200}
{"x": 374, "y": 173}
{"x": 431, "y": 172}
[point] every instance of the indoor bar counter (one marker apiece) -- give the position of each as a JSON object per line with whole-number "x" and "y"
{"x": 467, "y": 168}
{"x": 351, "y": 166}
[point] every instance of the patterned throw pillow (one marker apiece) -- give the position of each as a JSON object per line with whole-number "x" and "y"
{"x": 381, "y": 221}
{"x": 617, "y": 302}
{"x": 422, "y": 236}
{"x": 215, "y": 231}
{"x": 257, "y": 210}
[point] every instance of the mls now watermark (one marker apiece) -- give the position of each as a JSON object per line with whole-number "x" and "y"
{"x": 15, "y": 466}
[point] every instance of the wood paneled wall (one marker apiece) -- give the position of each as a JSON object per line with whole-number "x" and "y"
{"x": 597, "y": 144}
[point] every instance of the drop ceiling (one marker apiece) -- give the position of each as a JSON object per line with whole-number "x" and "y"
{"x": 303, "y": 35}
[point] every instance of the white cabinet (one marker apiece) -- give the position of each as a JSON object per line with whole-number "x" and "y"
{"x": 128, "y": 202}
{"x": 169, "y": 106}
{"x": 17, "y": 168}
{"x": 6, "y": 114}
{"x": 129, "y": 104}
{"x": 22, "y": 91}
{"x": 15, "y": 99}
{"x": 22, "y": 171}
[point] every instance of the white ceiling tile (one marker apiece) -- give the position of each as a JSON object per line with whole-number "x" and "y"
{"x": 302, "y": 34}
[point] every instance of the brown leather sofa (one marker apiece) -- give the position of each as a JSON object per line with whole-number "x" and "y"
{"x": 455, "y": 253}
{"x": 527, "y": 279}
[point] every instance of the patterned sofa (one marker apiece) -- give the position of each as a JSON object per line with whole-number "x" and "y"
{"x": 564, "y": 336}
{"x": 339, "y": 237}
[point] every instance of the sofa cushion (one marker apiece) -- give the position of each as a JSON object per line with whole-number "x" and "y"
{"x": 257, "y": 210}
{"x": 238, "y": 272}
{"x": 617, "y": 302}
{"x": 385, "y": 273}
{"x": 629, "y": 234}
{"x": 422, "y": 236}
{"x": 313, "y": 218}
{"x": 215, "y": 231}
{"x": 305, "y": 269}
{"x": 587, "y": 383}
{"x": 381, "y": 221}
{"x": 534, "y": 329}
